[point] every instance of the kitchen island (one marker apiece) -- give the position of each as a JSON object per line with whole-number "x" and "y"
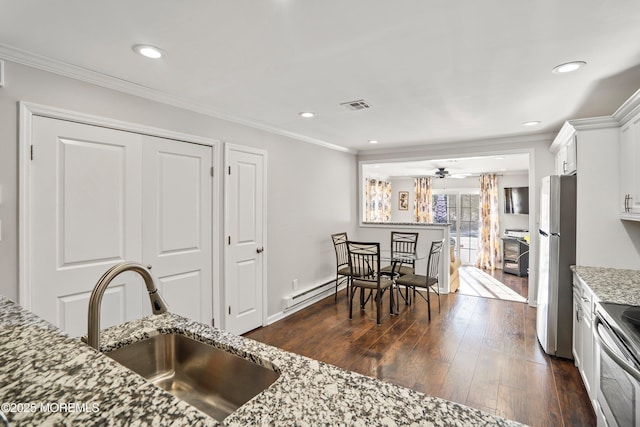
{"x": 48, "y": 378}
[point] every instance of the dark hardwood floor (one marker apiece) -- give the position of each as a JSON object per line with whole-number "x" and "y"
{"x": 518, "y": 284}
{"x": 479, "y": 352}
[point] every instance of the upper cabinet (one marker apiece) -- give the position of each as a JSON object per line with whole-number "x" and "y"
{"x": 629, "y": 174}
{"x": 566, "y": 158}
{"x": 620, "y": 131}
{"x": 565, "y": 148}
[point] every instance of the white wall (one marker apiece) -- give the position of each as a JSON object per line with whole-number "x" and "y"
{"x": 603, "y": 240}
{"x": 397, "y": 185}
{"x": 307, "y": 200}
{"x": 512, "y": 221}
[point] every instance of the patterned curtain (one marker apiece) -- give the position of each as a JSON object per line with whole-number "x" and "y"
{"x": 378, "y": 201}
{"x": 422, "y": 203}
{"x": 489, "y": 238}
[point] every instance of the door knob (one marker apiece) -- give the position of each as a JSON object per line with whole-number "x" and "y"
{"x": 260, "y": 250}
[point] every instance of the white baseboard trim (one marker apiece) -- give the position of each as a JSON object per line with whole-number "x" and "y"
{"x": 281, "y": 314}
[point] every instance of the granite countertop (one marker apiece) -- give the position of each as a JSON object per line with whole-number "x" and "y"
{"x": 40, "y": 365}
{"x": 611, "y": 284}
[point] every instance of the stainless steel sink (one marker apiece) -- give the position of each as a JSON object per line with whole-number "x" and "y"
{"x": 212, "y": 380}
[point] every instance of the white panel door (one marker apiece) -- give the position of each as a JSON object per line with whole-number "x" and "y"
{"x": 177, "y": 224}
{"x": 244, "y": 229}
{"x": 85, "y": 216}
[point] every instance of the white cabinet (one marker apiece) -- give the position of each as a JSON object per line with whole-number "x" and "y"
{"x": 584, "y": 342}
{"x": 565, "y": 149}
{"x": 629, "y": 173}
{"x": 587, "y": 368}
{"x": 570, "y": 166}
{"x": 561, "y": 160}
{"x": 576, "y": 347}
{"x": 566, "y": 158}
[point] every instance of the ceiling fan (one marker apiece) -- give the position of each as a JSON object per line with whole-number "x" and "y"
{"x": 441, "y": 173}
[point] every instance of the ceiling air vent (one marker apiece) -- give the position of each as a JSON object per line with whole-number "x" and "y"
{"x": 360, "y": 104}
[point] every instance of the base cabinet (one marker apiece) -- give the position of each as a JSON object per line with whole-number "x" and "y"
{"x": 585, "y": 350}
{"x": 577, "y": 328}
{"x": 587, "y": 368}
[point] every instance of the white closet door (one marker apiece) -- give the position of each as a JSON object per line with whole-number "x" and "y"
{"x": 86, "y": 210}
{"x": 177, "y": 224}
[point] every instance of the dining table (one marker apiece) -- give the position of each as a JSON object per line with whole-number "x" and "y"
{"x": 397, "y": 258}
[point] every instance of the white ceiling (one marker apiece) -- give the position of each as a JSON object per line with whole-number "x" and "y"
{"x": 433, "y": 71}
{"x": 507, "y": 164}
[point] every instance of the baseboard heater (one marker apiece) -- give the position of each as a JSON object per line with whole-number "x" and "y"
{"x": 296, "y": 299}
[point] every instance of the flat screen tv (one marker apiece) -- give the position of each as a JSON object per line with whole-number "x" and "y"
{"x": 516, "y": 200}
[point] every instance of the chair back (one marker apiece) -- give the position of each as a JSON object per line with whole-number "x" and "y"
{"x": 403, "y": 242}
{"x": 340, "y": 245}
{"x": 433, "y": 263}
{"x": 364, "y": 260}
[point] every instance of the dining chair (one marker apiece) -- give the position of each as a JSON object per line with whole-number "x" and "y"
{"x": 430, "y": 281}
{"x": 343, "y": 271}
{"x": 403, "y": 243}
{"x": 364, "y": 261}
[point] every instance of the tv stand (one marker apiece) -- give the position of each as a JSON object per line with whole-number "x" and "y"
{"x": 515, "y": 256}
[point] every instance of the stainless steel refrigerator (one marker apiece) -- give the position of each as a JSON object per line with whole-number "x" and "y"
{"x": 557, "y": 243}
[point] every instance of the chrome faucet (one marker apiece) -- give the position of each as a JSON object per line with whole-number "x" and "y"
{"x": 158, "y": 306}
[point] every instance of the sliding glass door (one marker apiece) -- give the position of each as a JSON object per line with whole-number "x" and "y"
{"x": 460, "y": 208}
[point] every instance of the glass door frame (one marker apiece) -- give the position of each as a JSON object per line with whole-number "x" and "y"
{"x": 456, "y": 227}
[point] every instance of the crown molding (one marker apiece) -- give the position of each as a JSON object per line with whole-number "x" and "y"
{"x": 570, "y": 127}
{"x": 89, "y": 76}
{"x": 566, "y": 132}
{"x": 515, "y": 140}
{"x": 602, "y": 122}
{"x": 629, "y": 109}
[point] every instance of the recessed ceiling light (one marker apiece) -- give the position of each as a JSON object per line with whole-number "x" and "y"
{"x": 306, "y": 114}
{"x": 373, "y": 141}
{"x": 568, "y": 67}
{"x": 531, "y": 123}
{"x": 149, "y": 51}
